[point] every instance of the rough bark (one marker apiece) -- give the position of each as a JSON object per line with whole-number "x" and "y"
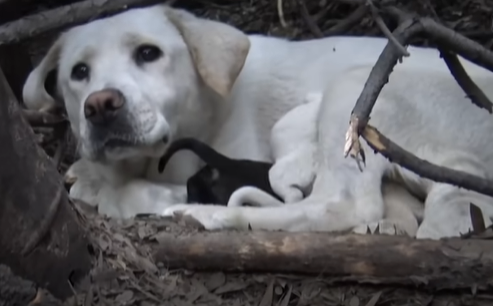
{"x": 449, "y": 41}
{"x": 15, "y": 63}
{"x": 378, "y": 259}
{"x": 40, "y": 236}
{"x": 18, "y": 291}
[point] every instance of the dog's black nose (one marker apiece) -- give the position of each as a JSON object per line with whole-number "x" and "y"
{"x": 102, "y": 106}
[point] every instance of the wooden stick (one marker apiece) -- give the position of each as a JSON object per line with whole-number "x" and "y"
{"x": 460, "y": 75}
{"x": 65, "y": 16}
{"x": 447, "y": 264}
{"x": 398, "y": 155}
{"x": 347, "y": 23}
{"x": 379, "y": 76}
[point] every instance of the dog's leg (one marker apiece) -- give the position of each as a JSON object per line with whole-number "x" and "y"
{"x": 447, "y": 208}
{"x": 400, "y": 207}
{"x": 342, "y": 196}
{"x": 253, "y": 196}
{"x": 293, "y": 174}
{"x": 84, "y": 182}
{"x": 340, "y": 201}
{"x": 139, "y": 196}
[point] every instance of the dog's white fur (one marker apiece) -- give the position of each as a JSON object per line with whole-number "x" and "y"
{"x": 193, "y": 90}
{"x": 293, "y": 141}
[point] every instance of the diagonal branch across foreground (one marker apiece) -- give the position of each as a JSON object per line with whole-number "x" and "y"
{"x": 448, "y": 40}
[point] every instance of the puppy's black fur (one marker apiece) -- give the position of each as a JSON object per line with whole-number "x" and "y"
{"x": 221, "y": 176}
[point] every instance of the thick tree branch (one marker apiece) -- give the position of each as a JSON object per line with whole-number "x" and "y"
{"x": 458, "y": 43}
{"x": 383, "y": 27}
{"x": 376, "y": 259}
{"x": 379, "y": 77}
{"x": 65, "y": 16}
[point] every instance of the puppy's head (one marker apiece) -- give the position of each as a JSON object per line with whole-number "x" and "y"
{"x": 132, "y": 82}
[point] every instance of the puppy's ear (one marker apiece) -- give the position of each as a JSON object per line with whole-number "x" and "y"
{"x": 40, "y": 86}
{"x": 218, "y": 50}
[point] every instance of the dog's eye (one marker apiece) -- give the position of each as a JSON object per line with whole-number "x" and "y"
{"x": 80, "y": 72}
{"x": 147, "y": 54}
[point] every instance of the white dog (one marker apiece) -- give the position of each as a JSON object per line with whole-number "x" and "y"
{"x": 294, "y": 148}
{"x": 293, "y": 141}
{"x": 135, "y": 81}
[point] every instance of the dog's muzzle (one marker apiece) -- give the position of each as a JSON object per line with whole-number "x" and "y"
{"x": 103, "y": 107}
{"x": 109, "y": 119}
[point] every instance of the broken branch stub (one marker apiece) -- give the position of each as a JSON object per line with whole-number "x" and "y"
{"x": 398, "y": 155}
{"x": 378, "y": 77}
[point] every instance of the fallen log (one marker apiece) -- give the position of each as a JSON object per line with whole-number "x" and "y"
{"x": 376, "y": 259}
{"x": 40, "y": 237}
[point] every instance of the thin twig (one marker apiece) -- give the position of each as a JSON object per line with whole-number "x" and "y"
{"x": 348, "y": 22}
{"x": 42, "y": 119}
{"x": 62, "y": 133}
{"x": 309, "y": 20}
{"x": 280, "y": 12}
{"x": 472, "y": 90}
{"x": 398, "y": 155}
{"x": 385, "y": 30}
{"x": 465, "y": 47}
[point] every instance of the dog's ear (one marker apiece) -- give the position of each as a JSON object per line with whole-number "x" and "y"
{"x": 39, "y": 89}
{"x": 218, "y": 50}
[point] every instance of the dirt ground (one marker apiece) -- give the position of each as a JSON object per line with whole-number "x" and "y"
{"x": 124, "y": 272}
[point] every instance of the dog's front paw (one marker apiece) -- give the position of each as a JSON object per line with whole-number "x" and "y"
{"x": 384, "y": 227}
{"x": 210, "y": 217}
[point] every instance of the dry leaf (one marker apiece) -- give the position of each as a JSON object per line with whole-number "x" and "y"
{"x": 374, "y": 299}
{"x": 88, "y": 299}
{"x": 354, "y": 301}
{"x": 476, "y": 219}
{"x": 278, "y": 290}
{"x": 125, "y": 297}
{"x": 268, "y": 295}
{"x": 231, "y": 287}
{"x": 285, "y": 300}
{"x": 215, "y": 281}
{"x": 197, "y": 290}
{"x": 377, "y": 230}
{"x": 427, "y": 301}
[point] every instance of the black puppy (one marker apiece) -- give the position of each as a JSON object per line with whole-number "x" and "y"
{"x": 221, "y": 176}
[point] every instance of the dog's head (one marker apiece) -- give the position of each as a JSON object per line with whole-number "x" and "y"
{"x": 133, "y": 81}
